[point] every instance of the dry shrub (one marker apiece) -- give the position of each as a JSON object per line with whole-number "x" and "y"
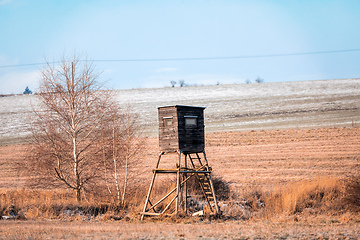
{"x": 351, "y": 198}
{"x": 135, "y": 198}
{"x": 221, "y": 187}
{"x": 244, "y": 205}
{"x": 321, "y": 195}
{"x": 253, "y": 199}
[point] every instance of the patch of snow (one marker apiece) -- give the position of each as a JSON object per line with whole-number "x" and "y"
{"x": 241, "y": 107}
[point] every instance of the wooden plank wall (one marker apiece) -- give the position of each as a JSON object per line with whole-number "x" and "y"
{"x": 168, "y": 136}
{"x": 191, "y": 139}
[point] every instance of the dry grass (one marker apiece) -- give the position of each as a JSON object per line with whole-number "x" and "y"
{"x": 61, "y": 204}
{"x": 315, "y": 196}
{"x": 308, "y": 197}
{"x": 40, "y": 204}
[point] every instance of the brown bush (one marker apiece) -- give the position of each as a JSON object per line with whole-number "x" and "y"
{"x": 135, "y": 197}
{"x": 351, "y": 198}
{"x": 221, "y": 187}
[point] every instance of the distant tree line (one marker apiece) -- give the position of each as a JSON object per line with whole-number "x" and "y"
{"x": 257, "y": 80}
{"x": 180, "y": 82}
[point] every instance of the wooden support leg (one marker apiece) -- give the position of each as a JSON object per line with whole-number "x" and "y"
{"x": 148, "y": 195}
{"x": 178, "y": 200}
{"x": 151, "y": 186}
{"x": 185, "y": 187}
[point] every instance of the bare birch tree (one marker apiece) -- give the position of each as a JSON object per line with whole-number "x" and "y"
{"x": 67, "y": 130}
{"x": 122, "y": 150}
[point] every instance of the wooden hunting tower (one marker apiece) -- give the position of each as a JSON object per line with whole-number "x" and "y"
{"x": 181, "y": 131}
{"x": 181, "y": 128}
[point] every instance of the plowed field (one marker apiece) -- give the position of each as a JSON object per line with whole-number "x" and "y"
{"x": 249, "y": 159}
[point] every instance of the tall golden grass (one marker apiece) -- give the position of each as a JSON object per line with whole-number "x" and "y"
{"x": 321, "y": 195}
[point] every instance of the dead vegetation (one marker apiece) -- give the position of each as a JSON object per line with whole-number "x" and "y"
{"x": 318, "y": 196}
{"x": 316, "y": 209}
{"x": 308, "y": 197}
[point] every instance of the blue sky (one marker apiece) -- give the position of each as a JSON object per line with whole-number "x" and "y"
{"x": 32, "y": 30}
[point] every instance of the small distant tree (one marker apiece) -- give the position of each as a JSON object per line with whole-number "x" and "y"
{"x": 27, "y": 90}
{"x": 181, "y": 83}
{"x": 173, "y": 83}
{"x": 259, "y": 80}
{"x": 247, "y": 81}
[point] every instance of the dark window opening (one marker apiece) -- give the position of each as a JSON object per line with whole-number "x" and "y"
{"x": 191, "y": 121}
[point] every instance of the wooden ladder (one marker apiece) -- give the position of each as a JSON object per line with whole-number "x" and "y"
{"x": 205, "y": 181}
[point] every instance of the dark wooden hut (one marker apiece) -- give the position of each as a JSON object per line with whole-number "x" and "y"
{"x": 181, "y": 128}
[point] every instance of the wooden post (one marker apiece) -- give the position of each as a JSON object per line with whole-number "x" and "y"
{"x": 178, "y": 200}
{"x": 185, "y": 186}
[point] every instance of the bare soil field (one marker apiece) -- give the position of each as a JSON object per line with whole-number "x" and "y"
{"x": 267, "y": 158}
{"x": 250, "y": 161}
